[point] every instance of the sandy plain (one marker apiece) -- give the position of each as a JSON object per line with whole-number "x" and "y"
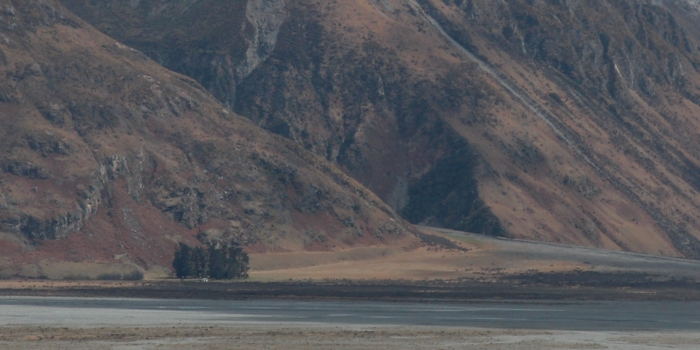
{"x": 313, "y": 336}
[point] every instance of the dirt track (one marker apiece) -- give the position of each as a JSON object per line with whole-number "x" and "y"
{"x": 528, "y": 252}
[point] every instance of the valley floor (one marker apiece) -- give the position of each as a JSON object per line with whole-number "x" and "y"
{"x": 480, "y": 257}
{"x": 477, "y": 267}
{"x": 308, "y": 337}
{"x": 482, "y": 269}
{"x": 108, "y": 323}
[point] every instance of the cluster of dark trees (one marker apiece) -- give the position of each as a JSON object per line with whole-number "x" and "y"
{"x": 218, "y": 262}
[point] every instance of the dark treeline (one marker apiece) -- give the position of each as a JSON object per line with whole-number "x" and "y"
{"x": 216, "y": 262}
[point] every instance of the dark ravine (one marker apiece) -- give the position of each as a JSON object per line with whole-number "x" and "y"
{"x": 449, "y": 195}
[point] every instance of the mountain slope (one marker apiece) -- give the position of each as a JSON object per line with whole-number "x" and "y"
{"x": 562, "y": 121}
{"x": 331, "y": 86}
{"x": 109, "y": 159}
{"x": 617, "y": 84}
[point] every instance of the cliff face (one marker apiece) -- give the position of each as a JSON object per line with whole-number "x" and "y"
{"x": 107, "y": 157}
{"x": 217, "y": 43}
{"x": 567, "y": 121}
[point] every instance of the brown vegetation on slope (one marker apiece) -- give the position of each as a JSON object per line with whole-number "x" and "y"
{"x": 594, "y": 142}
{"x": 336, "y": 85}
{"x": 617, "y": 89}
{"x": 107, "y": 158}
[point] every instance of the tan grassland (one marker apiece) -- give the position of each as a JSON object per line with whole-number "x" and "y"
{"x": 481, "y": 257}
{"x": 384, "y": 263}
{"x": 478, "y": 257}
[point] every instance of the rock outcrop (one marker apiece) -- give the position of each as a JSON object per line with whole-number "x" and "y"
{"x": 180, "y": 35}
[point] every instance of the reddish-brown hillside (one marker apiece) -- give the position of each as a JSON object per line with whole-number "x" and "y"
{"x": 106, "y": 158}
{"x": 567, "y": 121}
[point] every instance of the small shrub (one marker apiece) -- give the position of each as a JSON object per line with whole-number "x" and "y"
{"x": 218, "y": 262}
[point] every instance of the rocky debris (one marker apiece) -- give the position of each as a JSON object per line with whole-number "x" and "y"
{"x": 266, "y": 18}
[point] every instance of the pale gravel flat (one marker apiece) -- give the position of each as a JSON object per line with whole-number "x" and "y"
{"x": 143, "y": 324}
{"x": 306, "y": 336}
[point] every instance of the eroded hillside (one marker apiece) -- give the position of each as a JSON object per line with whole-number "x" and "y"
{"x": 338, "y": 81}
{"x": 615, "y": 85}
{"x": 109, "y": 159}
{"x": 568, "y": 121}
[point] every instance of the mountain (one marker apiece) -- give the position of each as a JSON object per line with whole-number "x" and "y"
{"x": 108, "y": 160}
{"x": 557, "y": 120}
